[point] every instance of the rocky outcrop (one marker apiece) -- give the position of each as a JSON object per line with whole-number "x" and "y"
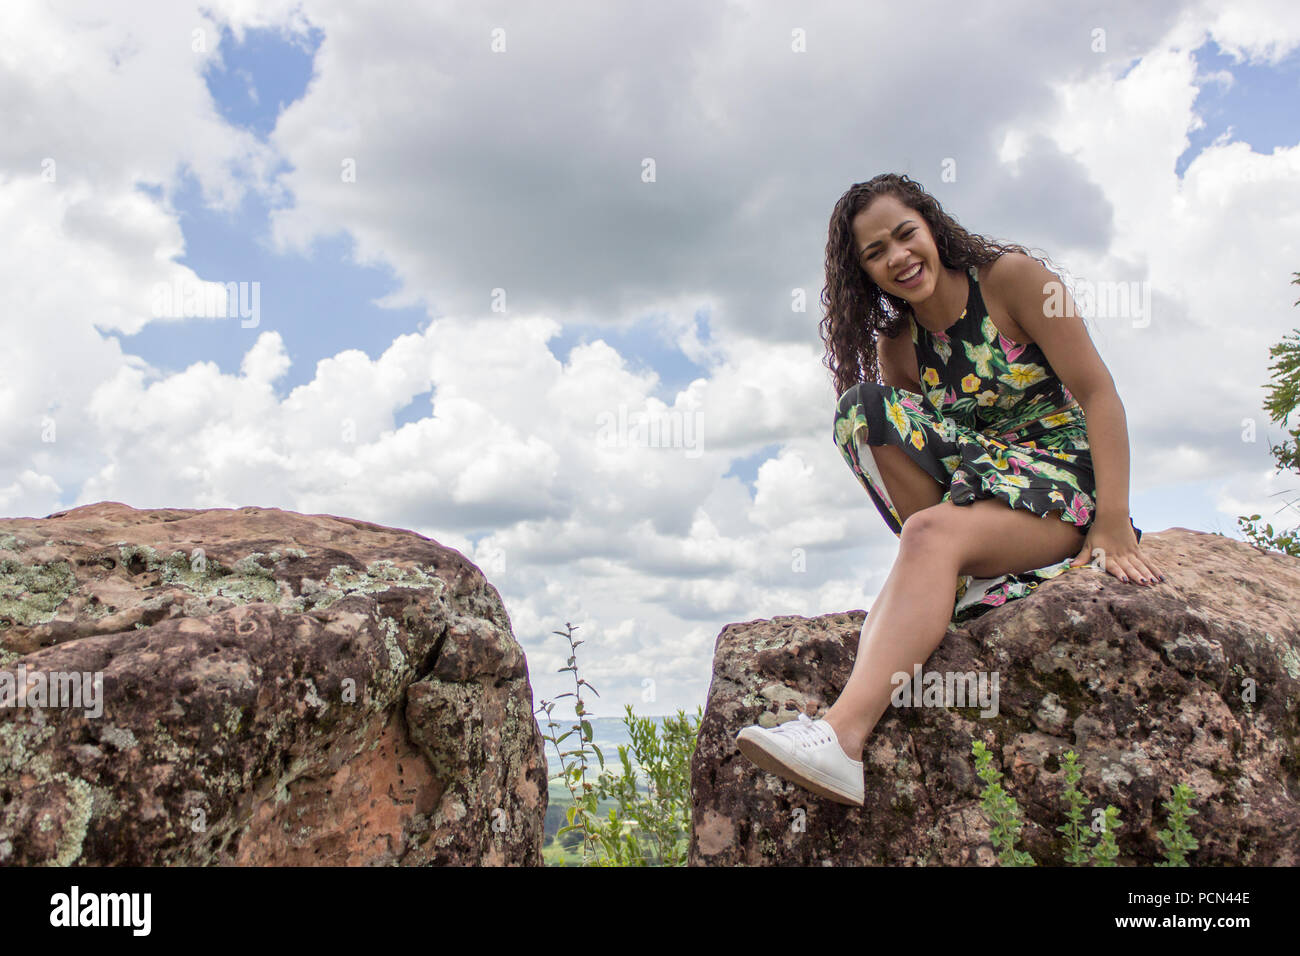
{"x": 1194, "y": 681}
{"x": 274, "y": 689}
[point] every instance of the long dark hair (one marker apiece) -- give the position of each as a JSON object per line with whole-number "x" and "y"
{"x": 856, "y": 308}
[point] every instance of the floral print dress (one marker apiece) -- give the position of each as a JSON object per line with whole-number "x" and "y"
{"x": 994, "y": 421}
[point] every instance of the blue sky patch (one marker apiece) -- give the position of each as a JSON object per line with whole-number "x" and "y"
{"x": 644, "y": 346}
{"x": 746, "y": 469}
{"x": 253, "y": 81}
{"x": 1259, "y": 106}
{"x": 320, "y": 304}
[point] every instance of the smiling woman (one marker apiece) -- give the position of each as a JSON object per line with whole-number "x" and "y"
{"x": 984, "y": 411}
{"x": 984, "y": 396}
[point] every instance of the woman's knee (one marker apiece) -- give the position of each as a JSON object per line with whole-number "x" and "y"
{"x": 928, "y": 528}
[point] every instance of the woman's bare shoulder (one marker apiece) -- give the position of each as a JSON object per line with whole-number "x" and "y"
{"x": 1001, "y": 280}
{"x": 1010, "y": 267}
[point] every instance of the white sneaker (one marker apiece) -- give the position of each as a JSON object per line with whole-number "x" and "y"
{"x": 806, "y": 752}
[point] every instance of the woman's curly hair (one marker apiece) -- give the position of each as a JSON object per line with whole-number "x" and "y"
{"x": 856, "y": 308}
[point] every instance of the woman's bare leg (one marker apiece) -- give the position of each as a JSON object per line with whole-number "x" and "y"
{"x": 906, "y": 623}
{"x": 909, "y": 486}
{"x": 910, "y": 616}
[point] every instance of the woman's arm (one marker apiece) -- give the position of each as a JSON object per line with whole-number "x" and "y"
{"x": 1108, "y": 441}
{"x": 1039, "y": 302}
{"x": 1034, "y": 295}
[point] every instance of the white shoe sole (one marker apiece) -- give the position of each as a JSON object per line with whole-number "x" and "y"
{"x": 757, "y": 750}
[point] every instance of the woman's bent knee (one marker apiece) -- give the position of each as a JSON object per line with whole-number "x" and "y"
{"x": 929, "y": 528}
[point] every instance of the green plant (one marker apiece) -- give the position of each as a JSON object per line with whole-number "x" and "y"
{"x": 1106, "y": 850}
{"x": 581, "y": 815}
{"x": 1178, "y": 839}
{"x": 1004, "y": 813}
{"x": 652, "y": 830}
{"x": 1002, "y": 810}
{"x": 1075, "y": 830}
{"x": 1284, "y": 398}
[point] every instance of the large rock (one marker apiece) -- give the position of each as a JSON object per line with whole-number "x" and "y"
{"x": 277, "y": 689}
{"x": 1194, "y": 681}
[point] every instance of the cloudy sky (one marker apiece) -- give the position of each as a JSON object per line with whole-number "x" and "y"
{"x": 473, "y": 245}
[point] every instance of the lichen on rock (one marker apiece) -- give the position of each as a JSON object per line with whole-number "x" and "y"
{"x": 257, "y": 697}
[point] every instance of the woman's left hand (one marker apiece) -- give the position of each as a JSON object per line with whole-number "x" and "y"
{"x": 1120, "y": 552}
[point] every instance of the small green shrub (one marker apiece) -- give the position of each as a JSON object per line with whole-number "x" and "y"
{"x": 1003, "y": 813}
{"x": 653, "y": 829}
{"x": 1002, "y": 810}
{"x": 1177, "y": 841}
{"x": 581, "y": 814}
{"x": 1075, "y": 830}
{"x": 1104, "y": 853}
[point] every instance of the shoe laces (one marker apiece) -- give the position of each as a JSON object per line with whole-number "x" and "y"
{"x": 807, "y": 733}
